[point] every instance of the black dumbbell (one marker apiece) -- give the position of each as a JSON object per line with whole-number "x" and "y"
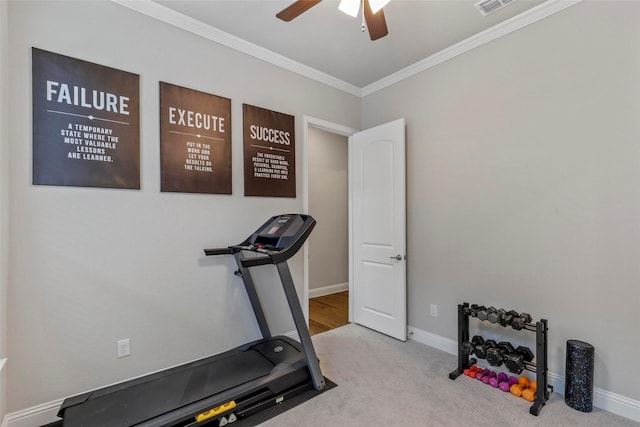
{"x": 469, "y": 347}
{"x": 496, "y": 315}
{"x": 515, "y": 362}
{"x": 473, "y": 310}
{"x": 519, "y": 322}
{"x": 467, "y": 308}
{"x": 484, "y": 313}
{"x": 481, "y": 350}
{"x": 495, "y": 356}
{"x": 507, "y": 318}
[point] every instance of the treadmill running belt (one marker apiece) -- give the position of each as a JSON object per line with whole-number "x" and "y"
{"x": 132, "y": 405}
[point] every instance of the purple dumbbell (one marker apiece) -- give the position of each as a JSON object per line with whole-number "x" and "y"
{"x": 482, "y": 374}
{"x": 506, "y": 383}
{"x": 486, "y": 378}
{"x": 494, "y": 382}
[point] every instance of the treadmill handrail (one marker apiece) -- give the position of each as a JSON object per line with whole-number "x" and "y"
{"x": 218, "y": 251}
{"x": 246, "y": 262}
{"x": 254, "y": 262}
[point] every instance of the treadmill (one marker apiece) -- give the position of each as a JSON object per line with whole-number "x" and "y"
{"x": 229, "y": 386}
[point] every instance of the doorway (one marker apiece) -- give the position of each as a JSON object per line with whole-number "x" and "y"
{"x": 326, "y": 198}
{"x": 376, "y": 220}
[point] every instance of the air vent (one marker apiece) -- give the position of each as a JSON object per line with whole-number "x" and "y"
{"x": 489, "y": 6}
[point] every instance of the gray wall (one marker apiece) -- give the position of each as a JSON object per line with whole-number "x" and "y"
{"x": 4, "y": 199}
{"x": 328, "y": 203}
{"x": 91, "y": 266}
{"x": 523, "y": 183}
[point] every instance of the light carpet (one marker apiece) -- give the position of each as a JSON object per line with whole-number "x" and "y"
{"x": 386, "y": 382}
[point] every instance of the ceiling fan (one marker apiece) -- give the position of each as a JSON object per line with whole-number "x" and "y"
{"x": 373, "y": 13}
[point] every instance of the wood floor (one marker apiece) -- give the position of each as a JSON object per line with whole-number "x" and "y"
{"x": 328, "y": 312}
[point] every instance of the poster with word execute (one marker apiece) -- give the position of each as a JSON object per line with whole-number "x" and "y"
{"x": 269, "y": 153}
{"x": 195, "y": 141}
{"x": 86, "y": 123}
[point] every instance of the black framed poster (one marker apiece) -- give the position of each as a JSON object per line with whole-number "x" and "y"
{"x": 269, "y": 153}
{"x": 86, "y": 123}
{"x": 195, "y": 141}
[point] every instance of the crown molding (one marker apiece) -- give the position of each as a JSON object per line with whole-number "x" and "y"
{"x": 530, "y": 16}
{"x": 169, "y": 16}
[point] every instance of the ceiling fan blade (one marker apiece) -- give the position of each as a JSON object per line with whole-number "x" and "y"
{"x": 296, "y": 9}
{"x": 376, "y": 23}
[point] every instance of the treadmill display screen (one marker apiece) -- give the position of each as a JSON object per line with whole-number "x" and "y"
{"x": 279, "y": 223}
{"x": 279, "y": 233}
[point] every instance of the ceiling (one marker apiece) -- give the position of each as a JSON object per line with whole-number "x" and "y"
{"x": 333, "y": 43}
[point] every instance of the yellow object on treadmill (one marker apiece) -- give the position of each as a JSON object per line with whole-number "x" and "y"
{"x": 216, "y": 411}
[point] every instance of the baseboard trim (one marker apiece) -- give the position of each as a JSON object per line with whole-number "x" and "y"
{"x": 328, "y": 290}
{"x": 34, "y": 416}
{"x": 603, "y": 399}
{"x": 616, "y": 404}
{"x": 432, "y": 340}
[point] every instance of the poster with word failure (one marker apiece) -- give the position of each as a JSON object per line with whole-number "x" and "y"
{"x": 195, "y": 141}
{"x": 86, "y": 123}
{"x": 269, "y": 153}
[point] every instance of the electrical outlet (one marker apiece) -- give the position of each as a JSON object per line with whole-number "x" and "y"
{"x": 434, "y": 310}
{"x": 124, "y": 347}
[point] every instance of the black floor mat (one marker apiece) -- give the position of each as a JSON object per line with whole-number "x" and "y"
{"x": 268, "y": 413}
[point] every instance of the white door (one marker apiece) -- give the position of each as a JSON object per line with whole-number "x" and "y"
{"x": 378, "y": 209}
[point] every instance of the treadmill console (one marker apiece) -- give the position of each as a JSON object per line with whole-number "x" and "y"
{"x": 278, "y": 233}
{"x": 278, "y": 239}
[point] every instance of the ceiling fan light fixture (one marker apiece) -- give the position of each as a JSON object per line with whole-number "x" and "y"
{"x": 376, "y": 5}
{"x": 350, "y": 7}
{"x": 375, "y": 22}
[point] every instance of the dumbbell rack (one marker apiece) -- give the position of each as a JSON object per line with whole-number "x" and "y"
{"x": 539, "y": 368}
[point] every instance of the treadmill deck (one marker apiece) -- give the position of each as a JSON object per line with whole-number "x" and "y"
{"x": 138, "y": 400}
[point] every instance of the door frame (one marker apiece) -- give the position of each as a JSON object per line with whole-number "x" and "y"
{"x": 337, "y": 129}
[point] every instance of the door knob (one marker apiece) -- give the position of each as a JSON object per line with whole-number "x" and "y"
{"x": 397, "y": 257}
